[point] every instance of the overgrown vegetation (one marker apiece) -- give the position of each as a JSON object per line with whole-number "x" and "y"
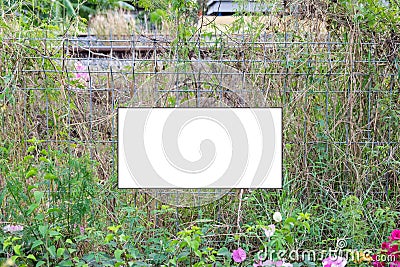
{"x": 340, "y": 98}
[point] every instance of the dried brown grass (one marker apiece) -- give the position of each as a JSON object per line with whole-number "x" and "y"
{"x": 113, "y": 24}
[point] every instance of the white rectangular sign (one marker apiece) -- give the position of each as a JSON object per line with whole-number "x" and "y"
{"x": 199, "y": 148}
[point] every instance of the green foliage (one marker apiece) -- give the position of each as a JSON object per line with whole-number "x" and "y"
{"x": 351, "y": 217}
{"x": 58, "y": 12}
{"x": 157, "y": 16}
{"x": 188, "y": 249}
{"x": 43, "y": 212}
{"x": 374, "y": 18}
{"x": 286, "y": 234}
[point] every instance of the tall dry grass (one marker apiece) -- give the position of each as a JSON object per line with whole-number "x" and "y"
{"x": 113, "y": 25}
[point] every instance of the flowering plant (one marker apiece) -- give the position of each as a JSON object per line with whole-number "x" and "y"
{"x": 389, "y": 254}
{"x": 239, "y": 255}
{"x": 279, "y": 235}
{"x": 271, "y": 263}
{"x": 81, "y": 76}
{"x": 81, "y": 73}
{"x": 334, "y": 262}
{"x": 13, "y": 228}
{"x": 282, "y": 233}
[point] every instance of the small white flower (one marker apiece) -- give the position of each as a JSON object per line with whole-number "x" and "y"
{"x": 277, "y": 216}
{"x": 385, "y": 3}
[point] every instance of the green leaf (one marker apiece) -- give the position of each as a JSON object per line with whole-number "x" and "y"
{"x": 114, "y": 229}
{"x": 224, "y": 252}
{"x": 30, "y": 173}
{"x": 117, "y": 254}
{"x": 70, "y": 9}
{"x": 28, "y": 158}
{"x": 52, "y": 251}
{"x": 32, "y": 257}
{"x": 187, "y": 239}
{"x": 37, "y": 243}
{"x": 71, "y": 250}
{"x": 60, "y": 252}
{"x": 290, "y": 221}
{"x": 30, "y": 187}
{"x": 43, "y": 230}
{"x": 6, "y": 244}
{"x": 307, "y": 225}
{"x": 33, "y": 140}
{"x": 109, "y": 237}
{"x": 194, "y": 244}
{"x": 88, "y": 10}
{"x": 146, "y": 4}
{"x": 40, "y": 263}
{"x": 31, "y": 149}
{"x": 289, "y": 239}
{"x": 66, "y": 263}
{"x": 17, "y": 249}
{"x": 51, "y": 210}
{"x": 198, "y": 253}
{"x": 44, "y": 159}
{"x": 141, "y": 263}
{"x": 49, "y": 176}
{"x": 38, "y": 196}
{"x": 54, "y": 233}
{"x": 32, "y": 207}
{"x": 39, "y": 217}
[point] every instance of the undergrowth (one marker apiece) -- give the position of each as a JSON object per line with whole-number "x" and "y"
{"x": 340, "y": 99}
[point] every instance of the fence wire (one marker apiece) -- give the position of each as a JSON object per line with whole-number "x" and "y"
{"x": 340, "y": 100}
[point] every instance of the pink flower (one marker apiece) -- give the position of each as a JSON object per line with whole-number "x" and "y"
{"x": 395, "y": 235}
{"x": 378, "y": 264}
{"x": 79, "y": 66}
{"x": 394, "y": 249}
{"x": 394, "y": 264}
{"x": 385, "y": 246}
{"x": 282, "y": 264}
{"x": 270, "y": 263}
{"x": 375, "y": 261}
{"x": 334, "y": 262}
{"x": 260, "y": 263}
{"x": 270, "y": 230}
{"x": 81, "y": 228}
{"x": 13, "y": 228}
{"x": 81, "y": 74}
{"x": 239, "y": 255}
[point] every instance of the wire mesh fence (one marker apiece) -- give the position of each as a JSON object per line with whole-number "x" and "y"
{"x": 340, "y": 101}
